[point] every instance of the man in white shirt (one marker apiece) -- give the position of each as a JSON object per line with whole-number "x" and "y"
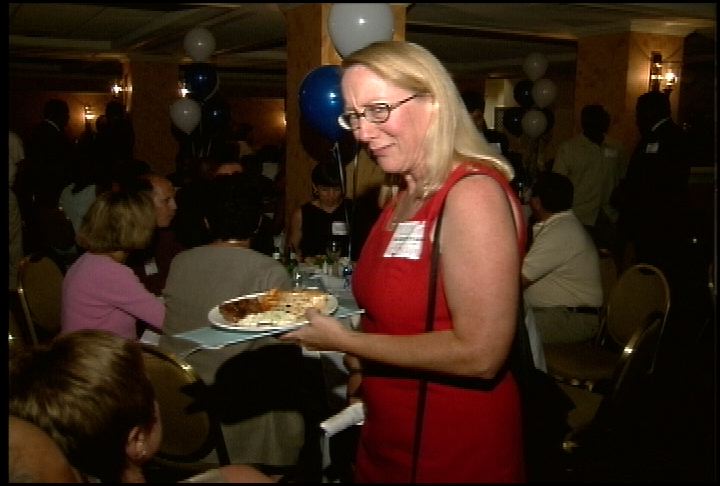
{"x": 561, "y": 271}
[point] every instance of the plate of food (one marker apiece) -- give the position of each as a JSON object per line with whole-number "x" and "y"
{"x": 271, "y": 310}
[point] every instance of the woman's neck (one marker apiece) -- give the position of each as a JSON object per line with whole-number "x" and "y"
{"x": 119, "y": 256}
{"x": 133, "y": 474}
{"x": 327, "y": 208}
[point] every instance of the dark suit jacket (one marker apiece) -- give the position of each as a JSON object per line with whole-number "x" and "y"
{"x": 654, "y": 211}
{"x": 49, "y": 155}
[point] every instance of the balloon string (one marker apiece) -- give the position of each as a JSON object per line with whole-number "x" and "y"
{"x": 338, "y": 159}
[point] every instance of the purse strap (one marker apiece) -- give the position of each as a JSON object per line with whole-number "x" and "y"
{"x": 430, "y": 316}
{"x": 429, "y": 325}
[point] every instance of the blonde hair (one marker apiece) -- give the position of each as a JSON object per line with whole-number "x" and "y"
{"x": 452, "y": 134}
{"x": 118, "y": 221}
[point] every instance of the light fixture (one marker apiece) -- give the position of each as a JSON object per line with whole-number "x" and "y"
{"x": 116, "y": 89}
{"x": 663, "y": 76}
{"x": 88, "y": 113}
{"x": 183, "y": 89}
{"x": 121, "y": 89}
{"x": 655, "y": 71}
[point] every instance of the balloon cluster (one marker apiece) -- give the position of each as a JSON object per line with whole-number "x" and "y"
{"x": 352, "y": 26}
{"x": 534, "y": 95}
{"x": 203, "y": 111}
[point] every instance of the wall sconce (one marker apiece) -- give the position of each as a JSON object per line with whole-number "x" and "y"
{"x": 116, "y": 89}
{"x": 182, "y": 87}
{"x": 655, "y": 71}
{"x": 121, "y": 90}
{"x": 662, "y": 75}
{"x": 88, "y": 113}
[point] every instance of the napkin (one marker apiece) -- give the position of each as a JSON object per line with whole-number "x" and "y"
{"x": 351, "y": 415}
{"x": 214, "y": 338}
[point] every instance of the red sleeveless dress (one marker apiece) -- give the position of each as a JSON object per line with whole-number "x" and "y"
{"x": 472, "y": 427}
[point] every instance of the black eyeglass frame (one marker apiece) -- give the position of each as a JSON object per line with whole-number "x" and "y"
{"x": 385, "y": 106}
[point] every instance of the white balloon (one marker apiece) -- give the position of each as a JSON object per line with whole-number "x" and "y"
{"x": 353, "y": 26}
{"x": 535, "y": 65}
{"x": 544, "y": 92}
{"x": 199, "y": 44}
{"x": 185, "y": 114}
{"x": 534, "y": 123}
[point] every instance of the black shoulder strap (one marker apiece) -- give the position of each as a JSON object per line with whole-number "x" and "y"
{"x": 429, "y": 324}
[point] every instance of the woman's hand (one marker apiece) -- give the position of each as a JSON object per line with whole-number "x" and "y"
{"x": 321, "y": 333}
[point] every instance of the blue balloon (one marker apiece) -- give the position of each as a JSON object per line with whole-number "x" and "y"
{"x": 321, "y": 101}
{"x": 202, "y": 81}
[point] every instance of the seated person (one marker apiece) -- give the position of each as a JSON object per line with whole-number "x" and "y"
{"x": 188, "y": 222}
{"x": 262, "y": 241}
{"x": 201, "y": 278}
{"x": 99, "y": 290}
{"x": 33, "y": 457}
{"x": 152, "y": 263}
{"x": 89, "y": 392}
{"x": 561, "y": 271}
{"x": 228, "y": 168}
{"x": 315, "y": 223}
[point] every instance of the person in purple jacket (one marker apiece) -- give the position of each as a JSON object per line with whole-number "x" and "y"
{"x": 99, "y": 290}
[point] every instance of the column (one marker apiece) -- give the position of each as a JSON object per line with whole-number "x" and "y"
{"x": 154, "y": 89}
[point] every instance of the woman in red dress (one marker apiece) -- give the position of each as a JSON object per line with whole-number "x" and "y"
{"x": 441, "y": 405}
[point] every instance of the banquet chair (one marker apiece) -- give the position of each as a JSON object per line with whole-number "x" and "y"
{"x": 640, "y": 291}
{"x": 40, "y": 293}
{"x": 191, "y": 432}
{"x": 597, "y": 412}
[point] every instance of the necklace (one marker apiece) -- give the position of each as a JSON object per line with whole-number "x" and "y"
{"x": 407, "y": 210}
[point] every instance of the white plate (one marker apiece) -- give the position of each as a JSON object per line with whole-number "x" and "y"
{"x": 217, "y": 320}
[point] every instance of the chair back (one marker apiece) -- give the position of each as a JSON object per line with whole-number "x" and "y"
{"x": 190, "y": 430}
{"x": 634, "y": 367}
{"x": 40, "y": 292}
{"x": 640, "y": 291}
{"x": 627, "y": 386}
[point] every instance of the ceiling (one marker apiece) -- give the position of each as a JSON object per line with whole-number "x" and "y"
{"x": 89, "y": 40}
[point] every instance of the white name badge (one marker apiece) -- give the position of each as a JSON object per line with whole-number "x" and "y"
{"x": 652, "y": 148}
{"x": 407, "y": 241}
{"x": 151, "y": 267}
{"x": 609, "y": 152}
{"x": 339, "y": 228}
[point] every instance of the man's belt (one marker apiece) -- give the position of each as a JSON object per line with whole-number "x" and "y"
{"x": 584, "y": 310}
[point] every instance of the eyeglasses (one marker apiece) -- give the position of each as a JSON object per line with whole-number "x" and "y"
{"x": 374, "y": 113}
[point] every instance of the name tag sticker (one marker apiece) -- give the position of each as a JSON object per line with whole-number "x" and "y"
{"x": 609, "y": 152}
{"x": 652, "y": 148}
{"x": 407, "y": 241}
{"x": 339, "y": 228}
{"x": 151, "y": 267}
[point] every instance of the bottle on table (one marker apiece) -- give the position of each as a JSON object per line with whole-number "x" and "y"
{"x": 277, "y": 256}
